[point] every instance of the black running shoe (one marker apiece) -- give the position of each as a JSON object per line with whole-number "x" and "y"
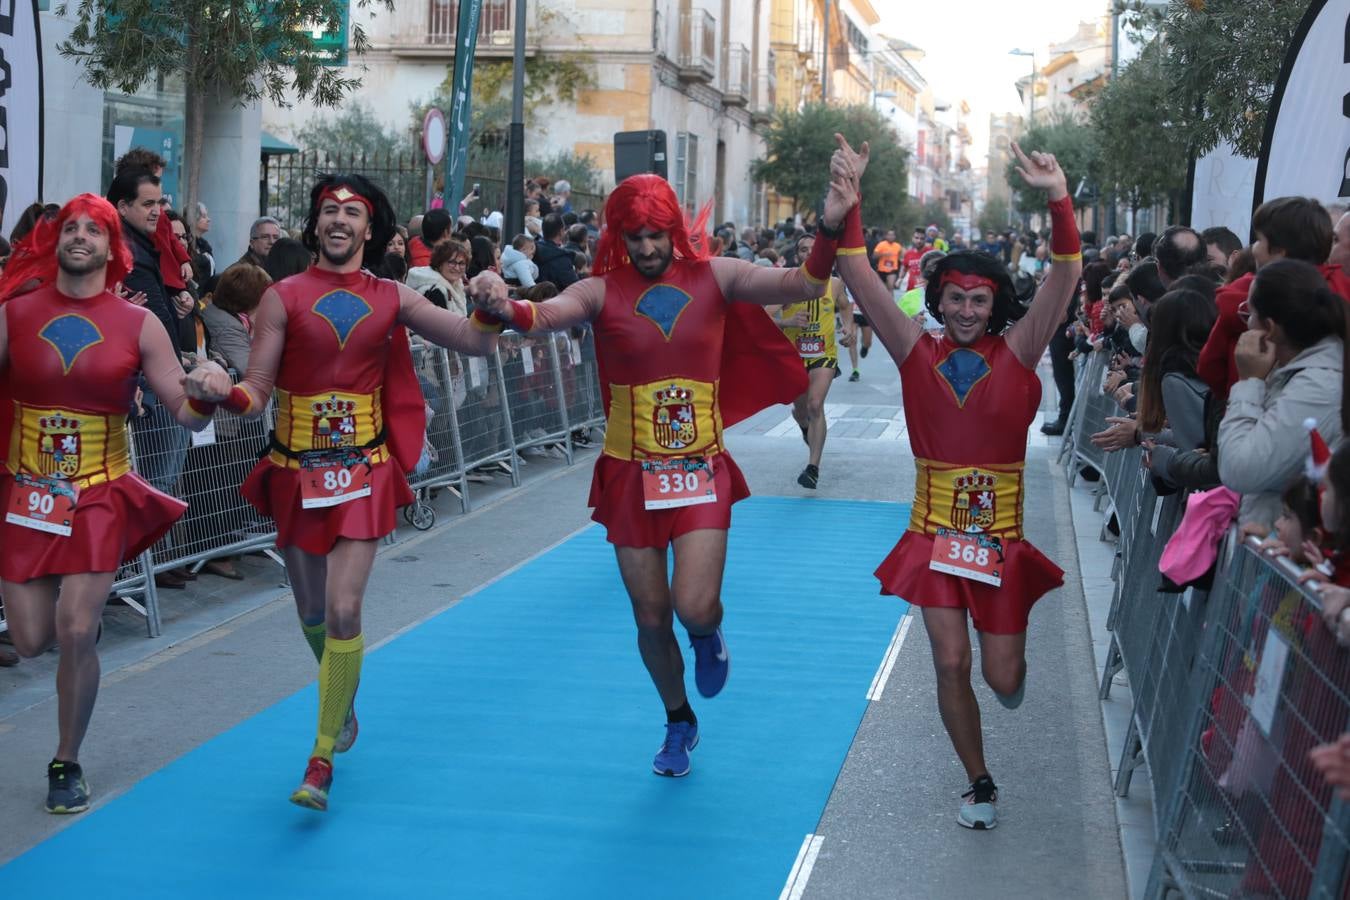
{"x": 809, "y": 477}
{"x": 864, "y": 350}
{"x": 67, "y": 791}
{"x": 1053, "y": 429}
{"x": 855, "y": 376}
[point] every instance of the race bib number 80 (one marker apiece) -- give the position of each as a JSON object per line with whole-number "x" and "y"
{"x": 329, "y": 482}
{"x": 974, "y": 556}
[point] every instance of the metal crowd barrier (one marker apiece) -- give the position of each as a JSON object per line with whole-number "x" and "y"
{"x": 1232, "y": 686}
{"x": 1248, "y": 815}
{"x": 535, "y": 391}
{"x": 1091, "y": 374}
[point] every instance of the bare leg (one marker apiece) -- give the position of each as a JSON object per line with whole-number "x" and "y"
{"x": 644, "y": 575}
{"x": 816, "y": 391}
{"x": 1003, "y": 661}
{"x": 799, "y": 414}
{"x": 349, "y": 565}
{"x": 309, "y": 577}
{"x": 700, "y": 557}
{"x": 956, "y": 700}
{"x": 867, "y": 338}
{"x": 853, "y": 354}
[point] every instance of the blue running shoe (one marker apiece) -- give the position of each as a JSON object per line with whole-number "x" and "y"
{"x": 672, "y": 760}
{"x": 711, "y": 663}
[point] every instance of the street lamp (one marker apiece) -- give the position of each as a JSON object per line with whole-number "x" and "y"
{"x": 1031, "y": 117}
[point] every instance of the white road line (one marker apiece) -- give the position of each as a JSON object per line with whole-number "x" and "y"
{"x": 801, "y": 868}
{"x": 888, "y": 661}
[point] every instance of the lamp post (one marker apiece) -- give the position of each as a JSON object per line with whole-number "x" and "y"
{"x": 1031, "y": 86}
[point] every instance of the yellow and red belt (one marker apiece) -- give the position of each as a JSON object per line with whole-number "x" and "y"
{"x": 84, "y": 448}
{"x": 985, "y": 499}
{"x": 670, "y": 417}
{"x": 327, "y": 421}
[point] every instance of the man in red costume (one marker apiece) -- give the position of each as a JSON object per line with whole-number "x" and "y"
{"x": 679, "y": 359}
{"x": 350, "y": 422}
{"x": 74, "y": 512}
{"x": 970, "y": 394}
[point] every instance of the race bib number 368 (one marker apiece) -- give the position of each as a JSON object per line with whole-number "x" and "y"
{"x": 668, "y": 483}
{"x": 974, "y": 556}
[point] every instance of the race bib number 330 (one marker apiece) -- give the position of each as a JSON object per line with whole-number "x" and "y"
{"x": 43, "y": 504}
{"x": 668, "y": 483}
{"x": 974, "y": 556}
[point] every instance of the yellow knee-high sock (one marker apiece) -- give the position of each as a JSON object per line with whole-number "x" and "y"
{"x": 339, "y": 672}
{"x": 315, "y": 635}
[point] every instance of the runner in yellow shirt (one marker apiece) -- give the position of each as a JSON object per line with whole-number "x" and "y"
{"x": 810, "y": 325}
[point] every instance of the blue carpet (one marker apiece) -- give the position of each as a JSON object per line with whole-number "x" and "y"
{"x": 506, "y": 745}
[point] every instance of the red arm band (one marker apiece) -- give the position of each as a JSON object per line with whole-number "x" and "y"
{"x": 522, "y": 318}
{"x": 854, "y": 241}
{"x": 820, "y": 263}
{"x": 239, "y": 401}
{"x": 486, "y": 322}
{"x": 1064, "y": 243}
{"x": 202, "y": 408}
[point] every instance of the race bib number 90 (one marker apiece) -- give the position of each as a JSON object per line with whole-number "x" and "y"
{"x": 43, "y": 504}
{"x": 974, "y": 556}
{"x": 668, "y": 483}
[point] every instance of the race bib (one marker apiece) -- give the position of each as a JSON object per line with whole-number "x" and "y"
{"x": 43, "y": 504}
{"x": 668, "y": 483}
{"x": 974, "y": 556}
{"x": 810, "y": 346}
{"x": 330, "y": 479}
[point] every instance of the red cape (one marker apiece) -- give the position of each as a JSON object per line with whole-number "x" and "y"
{"x": 405, "y": 415}
{"x": 760, "y": 366}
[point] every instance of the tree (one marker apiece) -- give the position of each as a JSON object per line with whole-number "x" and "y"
{"x": 354, "y": 129}
{"x": 1073, "y": 145}
{"x": 798, "y": 146}
{"x": 995, "y": 215}
{"x": 550, "y": 81}
{"x": 1222, "y": 58}
{"x": 913, "y": 214}
{"x": 239, "y": 50}
{"x": 1141, "y": 150}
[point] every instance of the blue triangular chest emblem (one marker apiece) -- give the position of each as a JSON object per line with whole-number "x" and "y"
{"x": 343, "y": 310}
{"x": 962, "y": 370}
{"x": 662, "y": 305}
{"x": 70, "y": 335}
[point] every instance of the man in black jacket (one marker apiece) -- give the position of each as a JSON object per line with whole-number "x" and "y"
{"x": 161, "y": 443}
{"x": 555, "y": 264}
{"x": 136, "y": 194}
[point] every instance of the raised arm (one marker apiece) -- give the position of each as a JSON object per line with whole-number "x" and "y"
{"x": 164, "y": 372}
{"x": 1029, "y": 337}
{"x": 441, "y": 326}
{"x": 897, "y": 331}
{"x": 494, "y": 310}
{"x": 745, "y": 282}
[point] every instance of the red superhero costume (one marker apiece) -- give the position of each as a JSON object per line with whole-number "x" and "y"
{"x": 349, "y": 413}
{"x": 679, "y": 361}
{"x": 72, "y": 372}
{"x": 969, "y": 447}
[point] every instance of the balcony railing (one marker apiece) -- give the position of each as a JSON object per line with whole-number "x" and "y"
{"x": 736, "y": 76}
{"x": 495, "y": 24}
{"x": 766, "y": 90}
{"x": 698, "y": 38}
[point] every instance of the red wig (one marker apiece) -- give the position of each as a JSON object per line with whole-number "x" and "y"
{"x": 32, "y": 263}
{"x": 648, "y": 201}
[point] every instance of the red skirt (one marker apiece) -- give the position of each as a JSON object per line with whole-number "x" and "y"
{"x": 616, "y": 497}
{"x": 275, "y": 491}
{"x": 114, "y": 523}
{"x": 1027, "y": 576}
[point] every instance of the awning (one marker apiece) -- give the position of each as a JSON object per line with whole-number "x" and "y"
{"x": 275, "y": 146}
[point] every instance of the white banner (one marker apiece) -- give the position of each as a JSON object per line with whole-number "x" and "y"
{"x": 1222, "y": 192}
{"x": 1307, "y": 145}
{"x": 20, "y": 108}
